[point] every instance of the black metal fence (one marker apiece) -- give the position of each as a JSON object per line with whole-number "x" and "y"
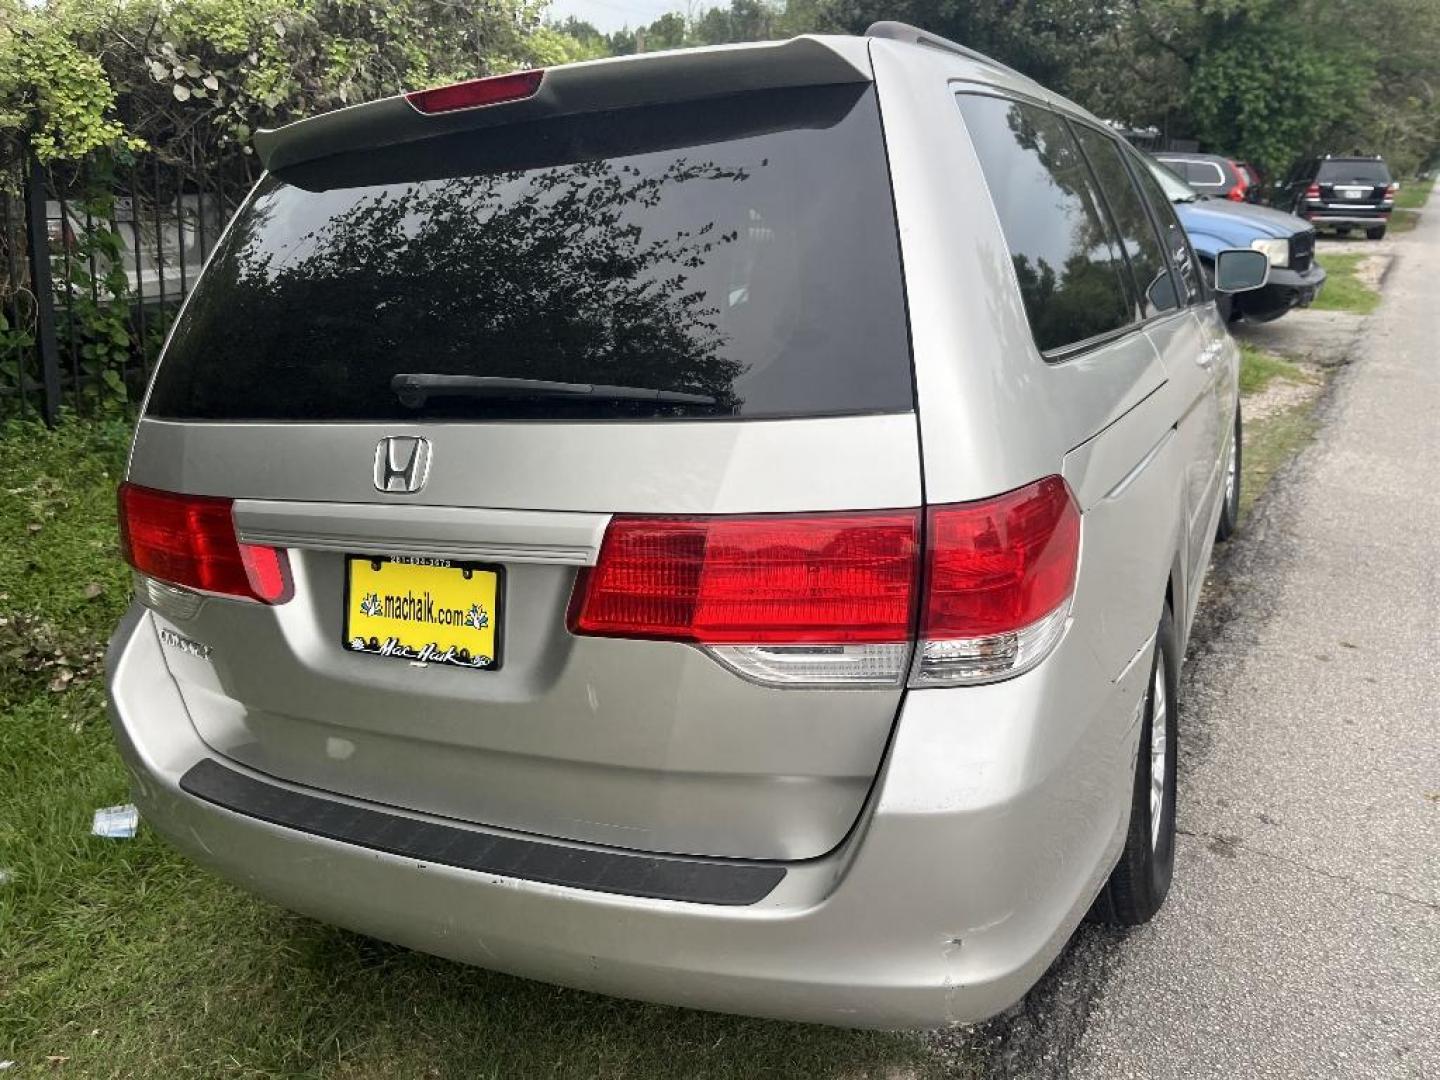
{"x": 95, "y": 260}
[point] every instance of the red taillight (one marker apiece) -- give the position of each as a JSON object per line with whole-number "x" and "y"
{"x": 791, "y": 599}
{"x": 831, "y": 578}
{"x": 997, "y": 566}
{"x": 1313, "y": 191}
{"x": 492, "y": 90}
{"x": 189, "y": 540}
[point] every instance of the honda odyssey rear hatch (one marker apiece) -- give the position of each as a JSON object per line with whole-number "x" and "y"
{"x": 573, "y": 462}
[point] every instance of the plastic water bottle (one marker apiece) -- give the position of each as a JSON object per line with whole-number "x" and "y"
{"x": 116, "y": 822}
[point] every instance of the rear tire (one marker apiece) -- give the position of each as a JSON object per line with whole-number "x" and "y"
{"x": 1377, "y": 233}
{"x": 1229, "y": 523}
{"x": 1141, "y": 879}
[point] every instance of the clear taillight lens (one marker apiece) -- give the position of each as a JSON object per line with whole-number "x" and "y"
{"x": 190, "y": 541}
{"x": 782, "y": 599}
{"x": 998, "y": 578}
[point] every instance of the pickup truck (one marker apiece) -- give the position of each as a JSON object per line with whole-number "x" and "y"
{"x": 1287, "y": 241}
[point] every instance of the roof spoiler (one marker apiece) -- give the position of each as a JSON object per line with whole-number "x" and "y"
{"x": 593, "y": 86}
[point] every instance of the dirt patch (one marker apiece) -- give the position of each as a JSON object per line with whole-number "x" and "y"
{"x": 1321, "y": 338}
{"x": 1372, "y": 269}
{"x": 1279, "y": 395}
{"x": 1355, "y": 243}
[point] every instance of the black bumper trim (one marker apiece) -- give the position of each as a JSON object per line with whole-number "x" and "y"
{"x": 656, "y": 877}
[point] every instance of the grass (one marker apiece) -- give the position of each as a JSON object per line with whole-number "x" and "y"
{"x": 1412, "y": 194}
{"x": 1402, "y": 221}
{"x": 1272, "y": 440}
{"x": 1259, "y": 368}
{"x": 1344, "y": 291}
{"x": 128, "y": 961}
{"x": 1269, "y": 444}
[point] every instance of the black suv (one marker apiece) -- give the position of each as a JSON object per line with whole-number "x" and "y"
{"x": 1213, "y": 175}
{"x": 1341, "y": 193}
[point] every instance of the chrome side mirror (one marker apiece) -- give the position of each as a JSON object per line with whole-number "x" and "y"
{"x": 1241, "y": 270}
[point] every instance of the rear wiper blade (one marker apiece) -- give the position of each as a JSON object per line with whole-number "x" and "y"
{"x": 414, "y": 389}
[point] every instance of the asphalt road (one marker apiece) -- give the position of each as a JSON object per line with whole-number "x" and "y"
{"x": 1302, "y": 936}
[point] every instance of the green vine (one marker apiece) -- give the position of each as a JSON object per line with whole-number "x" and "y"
{"x": 93, "y": 297}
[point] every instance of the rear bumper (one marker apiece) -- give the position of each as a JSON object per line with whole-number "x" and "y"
{"x": 1350, "y": 215}
{"x": 986, "y": 838}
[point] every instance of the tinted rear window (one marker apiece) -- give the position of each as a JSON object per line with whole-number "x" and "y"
{"x": 1358, "y": 172}
{"x": 742, "y": 249}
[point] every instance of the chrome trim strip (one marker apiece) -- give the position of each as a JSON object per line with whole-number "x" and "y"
{"x": 458, "y": 532}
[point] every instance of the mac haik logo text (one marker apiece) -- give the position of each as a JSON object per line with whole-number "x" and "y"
{"x": 423, "y": 610}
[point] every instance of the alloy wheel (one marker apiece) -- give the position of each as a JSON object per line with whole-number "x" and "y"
{"x": 1159, "y": 748}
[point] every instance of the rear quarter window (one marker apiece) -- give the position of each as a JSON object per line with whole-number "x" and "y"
{"x": 1205, "y": 172}
{"x": 739, "y": 251}
{"x": 1072, "y": 274}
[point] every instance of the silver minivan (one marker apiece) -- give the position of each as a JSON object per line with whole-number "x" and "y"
{"x": 717, "y": 527}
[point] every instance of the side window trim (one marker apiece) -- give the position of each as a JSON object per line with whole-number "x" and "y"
{"x": 1132, "y": 160}
{"x": 1137, "y": 294}
{"x": 1130, "y": 156}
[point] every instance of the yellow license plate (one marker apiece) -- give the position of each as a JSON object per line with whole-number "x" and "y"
{"x": 431, "y": 611}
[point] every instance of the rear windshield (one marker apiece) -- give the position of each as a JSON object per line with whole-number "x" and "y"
{"x": 1359, "y": 172}
{"x": 736, "y": 256}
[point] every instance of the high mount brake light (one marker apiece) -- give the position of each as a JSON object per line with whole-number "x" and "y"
{"x": 190, "y": 541}
{"x": 491, "y": 90}
{"x": 817, "y": 599}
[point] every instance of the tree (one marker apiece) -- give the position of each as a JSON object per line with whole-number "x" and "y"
{"x": 1045, "y": 39}
{"x": 1265, "y": 80}
{"x": 193, "y": 80}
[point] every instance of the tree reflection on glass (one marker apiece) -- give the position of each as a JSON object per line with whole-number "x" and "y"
{"x": 1072, "y": 275}
{"x": 547, "y": 274}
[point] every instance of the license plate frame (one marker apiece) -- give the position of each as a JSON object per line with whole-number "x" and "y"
{"x": 449, "y": 649}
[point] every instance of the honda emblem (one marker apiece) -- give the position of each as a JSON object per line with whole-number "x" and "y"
{"x": 402, "y": 462}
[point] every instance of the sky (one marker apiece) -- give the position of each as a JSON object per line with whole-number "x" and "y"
{"x": 609, "y": 15}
